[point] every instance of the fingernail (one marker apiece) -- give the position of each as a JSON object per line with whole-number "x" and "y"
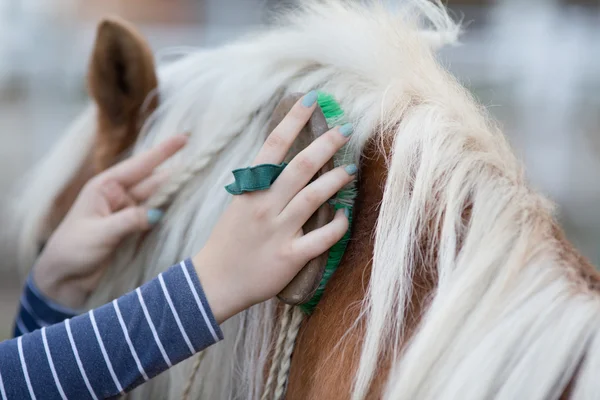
{"x": 309, "y": 98}
{"x": 154, "y": 215}
{"x": 346, "y": 130}
{"x": 351, "y": 169}
{"x": 347, "y": 213}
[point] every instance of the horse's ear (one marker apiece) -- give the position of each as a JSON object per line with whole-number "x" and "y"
{"x": 121, "y": 77}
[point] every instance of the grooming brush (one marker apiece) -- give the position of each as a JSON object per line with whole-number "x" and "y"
{"x": 306, "y": 289}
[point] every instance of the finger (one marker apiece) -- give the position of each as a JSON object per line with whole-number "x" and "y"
{"x": 280, "y": 140}
{"x": 308, "y": 162}
{"x": 115, "y": 195}
{"x": 136, "y": 168}
{"x": 130, "y": 220}
{"x": 317, "y": 242}
{"x": 305, "y": 203}
{"x": 143, "y": 190}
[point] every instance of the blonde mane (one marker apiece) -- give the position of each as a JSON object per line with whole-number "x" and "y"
{"x": 509, "y": 317}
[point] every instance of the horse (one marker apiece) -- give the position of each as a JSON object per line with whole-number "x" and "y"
{"x": 457, "y": 281}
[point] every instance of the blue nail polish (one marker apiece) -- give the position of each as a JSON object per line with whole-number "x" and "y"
{"x": 347, "y": 213}
{"x": 154, "y": 215}
{"x": 346, "y": 130}
{"x": 309, "y": 99}
{"x": 351, "y": 169}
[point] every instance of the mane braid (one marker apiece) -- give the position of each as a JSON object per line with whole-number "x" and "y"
{"x": 290, "y": 340}
{"x": 278, "y": 355}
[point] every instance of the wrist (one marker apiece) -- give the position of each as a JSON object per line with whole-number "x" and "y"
{"x": 224, "y": 302}
{"x": 56, "y": 287}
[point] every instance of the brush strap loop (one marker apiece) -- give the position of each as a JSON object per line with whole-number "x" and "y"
{"x": 251, "y": 179}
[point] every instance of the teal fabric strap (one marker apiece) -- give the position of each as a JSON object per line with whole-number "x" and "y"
{"x": 250, "y": 179}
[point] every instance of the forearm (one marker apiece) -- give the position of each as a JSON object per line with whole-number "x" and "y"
{"x": 112, "y": 349}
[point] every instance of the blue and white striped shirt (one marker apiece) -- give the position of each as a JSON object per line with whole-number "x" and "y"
{"x": 109, "y": 350}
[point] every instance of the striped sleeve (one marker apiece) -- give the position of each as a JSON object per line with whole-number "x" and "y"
{"x": 36, "y": 310}
{"x": 112, "y": 349}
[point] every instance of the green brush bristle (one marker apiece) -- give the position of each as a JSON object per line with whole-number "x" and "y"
{"x": 331, "y": 109}
{"x": 344, "y": 199}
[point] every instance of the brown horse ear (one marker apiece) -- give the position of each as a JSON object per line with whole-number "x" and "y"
{"x": 121, "y": 77}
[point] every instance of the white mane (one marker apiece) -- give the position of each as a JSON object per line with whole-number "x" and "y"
{"x": 505, "y": 321}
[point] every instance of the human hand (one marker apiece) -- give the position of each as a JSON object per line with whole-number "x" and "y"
{"x": 257, "y": 247}
{"x": 105, "y": 212}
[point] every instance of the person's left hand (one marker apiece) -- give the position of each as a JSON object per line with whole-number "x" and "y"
{"x": 105, "y": 212}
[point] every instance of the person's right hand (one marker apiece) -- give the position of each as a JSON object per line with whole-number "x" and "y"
{"x": 257, "y": 247}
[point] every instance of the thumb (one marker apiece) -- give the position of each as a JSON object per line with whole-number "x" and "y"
{"x": 131, "y": 220}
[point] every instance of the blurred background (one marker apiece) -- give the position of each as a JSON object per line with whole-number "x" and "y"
{"x": 534, "y": 63}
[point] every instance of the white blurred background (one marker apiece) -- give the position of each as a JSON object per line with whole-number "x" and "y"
{"x": 534, "y": 63}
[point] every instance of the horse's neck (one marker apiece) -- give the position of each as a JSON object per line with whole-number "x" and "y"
{"x": 328, "y": 346}
{"x": 329, "y": 343}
